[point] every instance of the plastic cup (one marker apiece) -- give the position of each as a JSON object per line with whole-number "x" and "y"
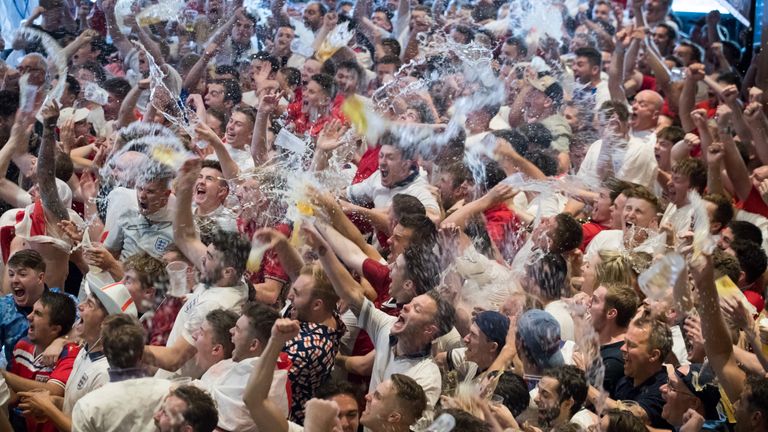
{"x": 177, "y": 276}
{"x": 87, "y": 252}
{"x": 497, "y": 400}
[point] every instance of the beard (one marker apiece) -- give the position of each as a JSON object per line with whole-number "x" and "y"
{"x": 547, "y": 416}
{"x": 210, "y": 278}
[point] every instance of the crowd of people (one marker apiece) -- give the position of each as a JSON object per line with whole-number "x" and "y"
{"x": 393, "y": 216}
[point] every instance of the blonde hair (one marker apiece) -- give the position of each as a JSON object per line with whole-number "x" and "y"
{"x": 322, "y": 288}
{"x": 620, "y": 267}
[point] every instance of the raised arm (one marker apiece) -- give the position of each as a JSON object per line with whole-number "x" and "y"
{"x": 693, "y": 74}
{"x": 660, "y": 71}
{"x": 616, "y": 70}
{"x": 84, "y": 38}
{"x": 758, "y": 124}
{"x": 126, "y": 114}
{"x": 630, "y": 59}
{"x": 228, "y": 165}
{"x": 119, "y": 40}
{"x": 287, "y": 255}
{"x": 218, "y": 37}
{"x": 259, "y": 147}
{"x": 499, "y": 194}
{"x": 264, "y": 412}
{"x": 505, "y": 151}
{"x": 150, "y": 45}
{"x": 402, "y": 18}
{"x": 730, "y": 95}
{"x": 351, "y": 255}
{"x": 330, "y": 20}
{"x": 10, "y": 192}
{"x": 278, "y": 14}
{"x": 184, "y": 233}
{"x": 341, "y": 223}
{"x": 344, "y": 284}
{"x": 737, "y": 171}
{"x": 715, "y": 332}
{"x": 46, "y": 165}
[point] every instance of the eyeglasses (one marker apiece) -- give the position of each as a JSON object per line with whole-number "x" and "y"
{"x": 24, "y": 69}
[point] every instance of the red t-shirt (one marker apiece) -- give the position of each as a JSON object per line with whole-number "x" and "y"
{"x": 369, "y": 163}
{"x": 28, "y": 365}
{"x": 378, "y": 275}
{"x": 270, "y": 264}
{"x": 589, "y": 230}
{"x": 302, "y": 123}
{"x": 711, "y": 109}
{"x": 649, "y": 83}
{"x": 755, "y": 299}
{"x": 503, "y": 228}
{"x": 754, "y": 203}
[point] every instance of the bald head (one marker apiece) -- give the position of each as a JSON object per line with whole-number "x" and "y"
{"x": 34, "y": 66}
{"x": 127, "y": 166}
{"x": 646, "y": 109}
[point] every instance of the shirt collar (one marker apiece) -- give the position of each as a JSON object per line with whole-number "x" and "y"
{"x": 408, "y": 180}
{"x": 117, "y": 375}
{"x": 421, "y": 354}
{"x": 94, "y": 356}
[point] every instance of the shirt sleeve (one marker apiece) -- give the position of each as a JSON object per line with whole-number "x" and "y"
{"x": 5, "y": 393}
{"x": 457, "y": 360}
{"x": 114, "y": 240}
{"x": 374, "y": 321}
{"x": 360, "y": 193}
{"x": 63, "y": 368}
{"x": 82, "y": 421}
{"x": 424, "y": 196}
{"x": 378, "y": 275}
{"x": 641, "y": 169}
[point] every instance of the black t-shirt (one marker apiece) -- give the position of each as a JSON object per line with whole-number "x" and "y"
{"x": 647, "y": 394}
{"x": 613, "y": 360}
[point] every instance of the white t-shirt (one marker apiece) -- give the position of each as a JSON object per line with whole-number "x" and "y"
{"x": 89, "y": 372}
{"x": 226, "y": 381}
{"x": 370, "y": 190}
{"x": 422, "y": 369}
{"x": 224, "y": 218}
{"x": 605, "y": 240}
{"x": 559, "y": 310}
{"x": 121, "y": 406}
{"x": 134, "y": 233}
{"x": 242, "y": 157}
{"x": 637, "y": 164}
{"x": 192, "y": 315}
{"x": 119, "y": 201}
{"x": 466, "y": 369}
{"x": 679, "y": 218}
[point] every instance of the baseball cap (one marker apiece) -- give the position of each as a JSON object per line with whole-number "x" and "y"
{"x": 75, "y": 114}
{"x": 494, "y": 326}
{"x": 701, "y": 381}
{"x": 548, "y": 85}
{"x": 115, "y": 297}
{"x": 539, "y": 332}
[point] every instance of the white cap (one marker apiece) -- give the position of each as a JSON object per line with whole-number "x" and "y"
{"x": 115, "y": 297}
{"x": 77, "y": 115}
